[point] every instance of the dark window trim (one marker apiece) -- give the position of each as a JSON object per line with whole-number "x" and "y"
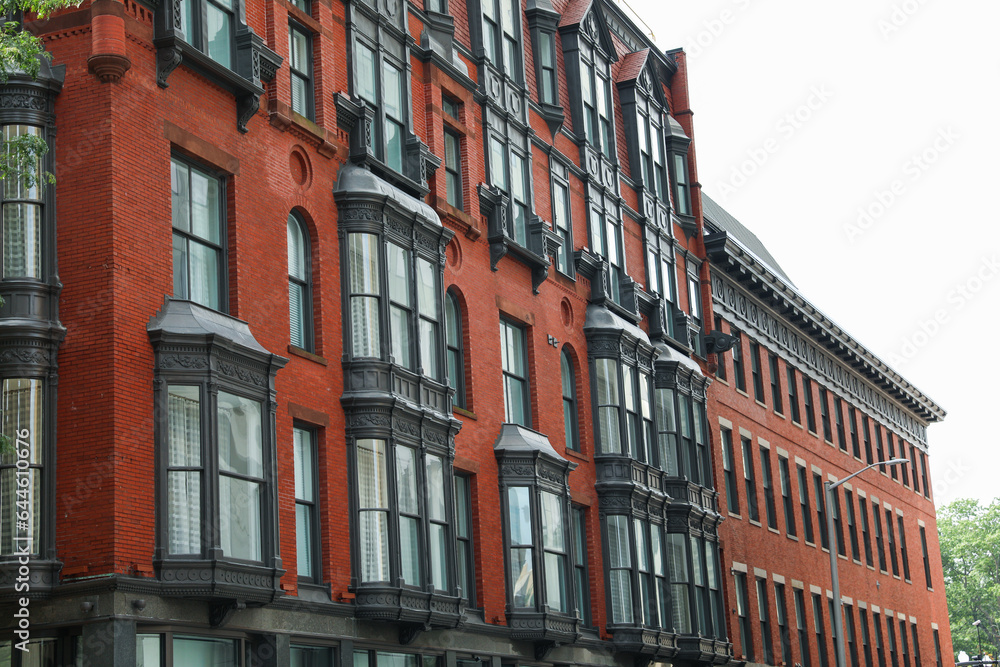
{"x": 307, "y": 76}
{"x": 307, "y": 314}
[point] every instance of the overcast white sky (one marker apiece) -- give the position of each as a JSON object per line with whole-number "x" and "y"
{"x": 859, "y": 140}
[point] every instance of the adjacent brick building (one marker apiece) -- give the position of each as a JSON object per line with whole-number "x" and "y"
{"x": 342, "y": 444}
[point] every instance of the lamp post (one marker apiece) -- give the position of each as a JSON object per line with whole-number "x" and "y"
{"x": 979, "y": 639}
{"x": 838, "y": 617}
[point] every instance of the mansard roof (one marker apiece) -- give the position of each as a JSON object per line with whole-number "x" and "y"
{"x": 721, "y": 219}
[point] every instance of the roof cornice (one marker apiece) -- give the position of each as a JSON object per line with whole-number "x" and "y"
{"x": 730, "y": 256}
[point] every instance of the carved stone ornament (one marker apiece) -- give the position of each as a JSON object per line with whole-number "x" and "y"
{"x": 184, "y": 361}
{"x": 23, "y": 356}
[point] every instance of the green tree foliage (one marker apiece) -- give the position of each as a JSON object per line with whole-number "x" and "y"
{"x": 20, "y": 51}
{"x": 970, "y": 554}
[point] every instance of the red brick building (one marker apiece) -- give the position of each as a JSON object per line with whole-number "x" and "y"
{"x": 340, "y": 444}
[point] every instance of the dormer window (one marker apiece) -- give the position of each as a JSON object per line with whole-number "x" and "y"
{"x": 595, "y": 88}
{"x": 501, "y": 36}
{"x": 681, "y": 192}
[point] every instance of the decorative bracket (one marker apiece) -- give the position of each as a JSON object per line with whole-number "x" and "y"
{"x": 219, "y": 613}
{"x": 409, "y": 632}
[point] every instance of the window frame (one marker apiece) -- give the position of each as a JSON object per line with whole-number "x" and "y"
{"x": 197, "y": 21}
{"x": 455, "y": 347}
{"x": 304, "y": 284}
{"x": 35, "y": 198}
{"x": 776, "y": 400}
{"x": 767, "y": 483}
{"x": 302, "y": 72}
{"x": 750, "y": 478}
{"x": 520, "y": 339}
{"x": 220, "y": 247}
{"x": 570, "y": 409}
{"x": 314, "y": 542}
{"x": 387, "y": 47}
{"x": 465, "y": 538}
{"x": 755, "y": 371}
{"x": 559, "y": 175}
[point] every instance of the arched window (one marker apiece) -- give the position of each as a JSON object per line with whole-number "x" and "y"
{"x": 299, "y": 285}
{"x": 456, "y": 355}
{"x": 569, "y": 402}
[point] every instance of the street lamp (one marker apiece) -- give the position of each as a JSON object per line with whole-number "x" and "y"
{"x": 838, "y": 620}
{"x": 979, "y": 639}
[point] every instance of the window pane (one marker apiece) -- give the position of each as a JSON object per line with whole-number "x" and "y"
{"x": 296, "y": 315}
{"x": 203, "y": 284}
{"x": 409, "y": 550}
{"x": 438, "y": 551}
{"x": 296, "y": 250}
{"x": 399, "y": 274}
{"x": 406, "y": 480}
{"x": 240, "y": 443}
{"x": 435, "y": 489}
{"x": 399, "y": 329}
{"x": 180, "y": 195}
{"x": 239, "y": 518}
{"x": 555, "y": 582}
{"x": 205, "y": 206}
{"x": 519, "y": 515}
{"x": 427, "y": 289}
{"x": 217, "y": 33}
{"x": 393, "y": 92}
{"x": 205, "y": 651}
{"x": 364, "y": 332}
{"x": 522, "y": 572}
{"x": 304, "y": 539}
{"x": 364, "y": 75}
{"x": 429, "y": 348}
{"x": 498, "y": 163}
{"x": 19, "y": 535}
{"x": 298, "y": 50}
{"x": 303, "y": 455}
{"x": 374, "y": 546}
{"x": 394, "y": 137}
{"x": 22, "y": 240}
{"x": 553, "y": 533}
{"x": 372, "y": 490}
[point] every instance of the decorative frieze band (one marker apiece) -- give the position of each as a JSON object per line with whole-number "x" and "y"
{"x": 750, "y": 315}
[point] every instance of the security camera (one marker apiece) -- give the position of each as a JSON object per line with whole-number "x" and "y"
{"x": 975, "y": 624}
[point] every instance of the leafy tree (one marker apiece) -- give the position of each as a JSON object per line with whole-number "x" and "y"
{"x": 970, "y": 555}
{"x": 19, "y": 54}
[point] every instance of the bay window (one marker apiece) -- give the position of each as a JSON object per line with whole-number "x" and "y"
{"x": 501, "y": 31}
{"x": 607, "y": 240}
{"x": 414, "y": 304}
{"x": 399, "y": 427}
{"x": 217, "y": 499}
{"x": 535, "y": 496}
{"x": 510, "y": 172}
{"x": 420, "y": 503}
